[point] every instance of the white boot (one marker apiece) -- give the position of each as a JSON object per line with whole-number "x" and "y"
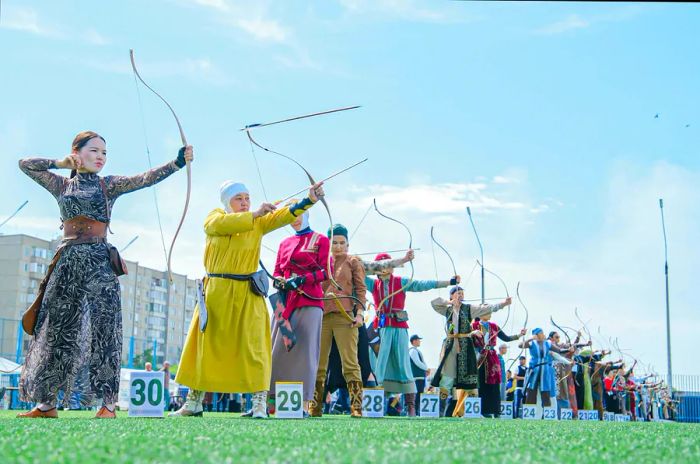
{"x": 192, "y": 407}
{"x": 260, "y": 405}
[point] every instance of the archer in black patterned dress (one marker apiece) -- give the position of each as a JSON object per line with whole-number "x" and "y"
{"x": 78, "y": 334}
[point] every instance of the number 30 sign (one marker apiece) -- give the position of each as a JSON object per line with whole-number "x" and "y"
{"x": 146, "y": 394}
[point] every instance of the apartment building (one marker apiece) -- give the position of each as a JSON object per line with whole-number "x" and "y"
{"x": 153, "y": 309}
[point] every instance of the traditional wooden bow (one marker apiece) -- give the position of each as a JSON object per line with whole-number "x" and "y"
{"x": 248, "y": 130}
{"x": 380, "y": 306}
{"x": 187, "y": 164}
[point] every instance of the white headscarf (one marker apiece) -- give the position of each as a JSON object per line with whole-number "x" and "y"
{"x": 228, "y": 190}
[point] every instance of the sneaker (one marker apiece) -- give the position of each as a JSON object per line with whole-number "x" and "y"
{"x": 259, "y": 412}
{"x": 259, "y": 405}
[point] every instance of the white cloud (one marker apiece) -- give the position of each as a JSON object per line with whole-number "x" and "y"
{"x": 407, "y": 10}
{"x": 262, "y": 29}
{"x": 27, "y": 20}
{"x": 220, "y": 5}
{"x": 504, "y": 180}
{"x": 570, "y": 23}
{"x": 441, "y": 198}
{"x": 95, "y": 38}
{"x": 196, "y": 69}
{"x": 575, "y": 22}
{"x": 253, "y": 19}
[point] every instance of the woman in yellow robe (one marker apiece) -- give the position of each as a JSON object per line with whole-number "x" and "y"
{"x": 233, "y": 353}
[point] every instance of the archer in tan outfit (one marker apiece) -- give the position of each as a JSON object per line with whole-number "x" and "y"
{"x": 342, "y": 317}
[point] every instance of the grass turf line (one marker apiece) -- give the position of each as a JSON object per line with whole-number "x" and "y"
{"x": 218, "y": 438}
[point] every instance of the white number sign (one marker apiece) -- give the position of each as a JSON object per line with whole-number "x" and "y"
{"x": 506, "y": 410}
{"x": 146, "y": 394}
{"x": 472, "y": 408}
{"x": 620, "y": 417}
{"x": 529, "y": 412}
{"x": 429, "y": 405}
{"x": 549, "y": 413}
{"x": 566, "y": 414}
{"x": 373, "y": 402}
{"x": 289, "y": 400}
{"x": 587, "y": 414}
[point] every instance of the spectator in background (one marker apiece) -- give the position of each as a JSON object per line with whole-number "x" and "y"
{"x": 418, "y": 366}
{"x": 207, "y": 401}
{"x": 222, "y": 402}
{"x": 519, "y": 385}
{"x": 510, "y": 386}
{"x": 502, "y": 351}
{"x": 166, "y": 382}
{"x": 149, "y": 367}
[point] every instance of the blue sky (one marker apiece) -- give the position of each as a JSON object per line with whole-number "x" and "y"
{"x": 540, "y": 117}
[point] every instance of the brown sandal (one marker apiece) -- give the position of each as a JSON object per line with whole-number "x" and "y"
{"x": 105, "y": 413}
{"x": 37, "y": 413}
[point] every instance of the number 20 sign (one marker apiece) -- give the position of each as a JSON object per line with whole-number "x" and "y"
{"x": 146, "y": 394}
{"x": 289, "y": 400}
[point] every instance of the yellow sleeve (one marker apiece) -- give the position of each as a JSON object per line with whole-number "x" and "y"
{"x": 276, "y": 219}
{"x": 218, "y": 222}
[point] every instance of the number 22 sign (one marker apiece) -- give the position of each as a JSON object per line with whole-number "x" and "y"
{"x": 146, "y": 394}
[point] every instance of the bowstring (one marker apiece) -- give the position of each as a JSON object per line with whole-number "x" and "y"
{"x": 360, "y": 223}
{"x": 432, "y": 246}
{"x": 150, "y": 166}
{"x": 257, "y": 167}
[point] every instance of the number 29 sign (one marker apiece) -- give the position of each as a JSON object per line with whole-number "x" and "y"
{"x": 146, "y": 394}
{"x": 289, "y": 400}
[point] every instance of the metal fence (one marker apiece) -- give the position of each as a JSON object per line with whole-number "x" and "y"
{"x": 686, "y": 395}
{"x": 11, "y": 340}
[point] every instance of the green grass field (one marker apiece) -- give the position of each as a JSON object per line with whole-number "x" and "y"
{"x": 216, "y": 438}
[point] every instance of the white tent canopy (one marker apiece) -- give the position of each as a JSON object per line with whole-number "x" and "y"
{"x": 9, "y": 367}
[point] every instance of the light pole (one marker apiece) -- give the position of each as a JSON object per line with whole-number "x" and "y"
{"x": 469, "y": 212}
{"x": 15, "y": 213}
{"x": 129, "y": 244}
{"x": 668, "y": 310}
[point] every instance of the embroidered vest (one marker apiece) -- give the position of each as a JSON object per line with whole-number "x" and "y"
{"x": 397, "y": 301}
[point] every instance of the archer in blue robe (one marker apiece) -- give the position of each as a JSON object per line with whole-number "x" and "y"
{"x": 541, "y": 376}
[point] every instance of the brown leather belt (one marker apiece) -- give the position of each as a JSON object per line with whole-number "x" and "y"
{"x": 82, "y": 228}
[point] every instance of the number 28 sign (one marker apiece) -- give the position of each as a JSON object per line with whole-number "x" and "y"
{"x": 146, "y": 394}
{"x": 373, "y": 402}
